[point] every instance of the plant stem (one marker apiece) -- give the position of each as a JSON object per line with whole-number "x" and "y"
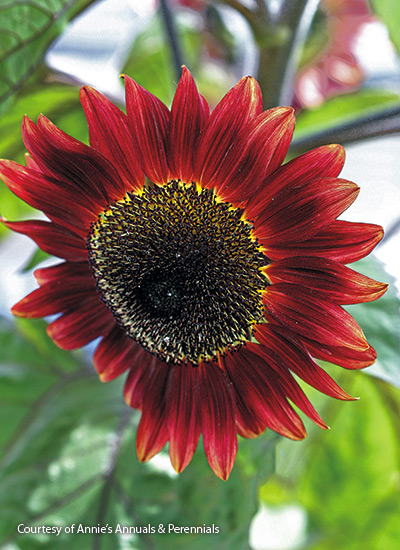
{"x": 172, "y": 36}
{"x": 279, "y": 56}
{"x": 280, "y": 38}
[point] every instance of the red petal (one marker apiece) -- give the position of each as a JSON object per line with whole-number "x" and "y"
{"x": 260, "y": 402}
{"x": 242, "y": 103}
{"x": 72, "y": 162}
{"x": 342, "y": 241}
{"x": 280, "y": 376}
{"x": 80, "y": 326}
{"x": 187, "y": 120}
{"x": 218, "y": 418}
{"x": 294, "y": 354}
{"x": 299, "y": 212}
{"x": 182, "y": 416}
{"x": 63, "y": 286}
{"x": 61, "y": 203}
{"x": 138, "y": 379}
{"x": 306, "y": 315}
{"x": 52, "y": 238}
{"x": 338, "y": 283}
{"x": 55, "y": 297}
{"x": 252, "y": 413}
{"x": 114, "y": 354}
{"x": 110, "y": 135}
{"x": 65, "y": 271}
{"x": 259, "y": 149}
{"x": 30, "y": 163}
{"x": 347, "y": 358}
{"x": 69, "y": 159}
{"x": 148, "y": 120}
{"x": 152, "y": 432}
{"x": 326, "y": 161}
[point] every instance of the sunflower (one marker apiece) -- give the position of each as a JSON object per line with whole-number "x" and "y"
{"x": 211, "y": 272}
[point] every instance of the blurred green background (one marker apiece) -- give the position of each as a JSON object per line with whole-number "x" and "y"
{"x": 67, "y": 441}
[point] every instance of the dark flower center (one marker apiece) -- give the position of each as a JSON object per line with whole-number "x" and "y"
{"x": 180, "y": 271}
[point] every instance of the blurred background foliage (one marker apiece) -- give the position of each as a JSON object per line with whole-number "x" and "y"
{"x": 67, "y": 441}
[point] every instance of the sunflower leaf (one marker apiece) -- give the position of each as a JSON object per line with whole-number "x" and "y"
{"x": 343, "y": 109}
{"x": 26, "y": 31}
{"x": 380, "y": 322}
{"x": 37, "y": 257}
{"x": 61, "y": 105}
{"x": 68, "y": 457}
{"x": 352, "y": 470}
{"x": 389, "y": 12}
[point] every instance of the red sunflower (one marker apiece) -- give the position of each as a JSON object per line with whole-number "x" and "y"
{"x": 211, "y": 273}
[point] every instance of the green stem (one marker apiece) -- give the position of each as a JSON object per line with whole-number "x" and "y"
{"x": 280, "y": 38}
{"x": 279, "y": 55}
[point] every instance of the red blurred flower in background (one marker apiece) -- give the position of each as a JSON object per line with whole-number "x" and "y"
{"x": 336, "y": 69}
{"x": 211, "y": 272}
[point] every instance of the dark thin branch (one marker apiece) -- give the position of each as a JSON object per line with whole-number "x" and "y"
{"x": 172, "y": 36}
{"x": 8, "y": 32}
{"x": 128, "y": 506}
{"x": 66, "y": 499}
{"x": 269, "y": 447}
{"x": 34, "y": 410}
{"x": 108, "y": 476}
{"x": 383, "y": 123}
{"x": 392, "y": 231}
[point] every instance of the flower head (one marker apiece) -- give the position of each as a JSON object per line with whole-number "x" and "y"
{"x": 211, "y": 271}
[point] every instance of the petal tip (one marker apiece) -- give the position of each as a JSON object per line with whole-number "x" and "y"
{"x": 103, "y": 377}
{"x": 222, "y": 474}
{"x": 84, "y": 92}
{"x": 337, "y": 148}
{"x": 177, "y": 465}
{"x": 15, "y": 310}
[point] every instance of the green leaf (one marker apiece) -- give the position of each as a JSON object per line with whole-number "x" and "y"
{"x": 345, "y": 479}
{"x": 56, "y": 101}
{"x": 37, "y": 257}
{"x": 389, "y": 12}
{"x": 39, "y": 349}
{"x": 26, "y": 31}
{"x": 31, "y": 362}
{"x": 380, "y": 322}
{"x": 344, "y": 109}
{"x": 68, "y": 457}
{"x": 61, "y": 105}
{"x": 25, "y": 342}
